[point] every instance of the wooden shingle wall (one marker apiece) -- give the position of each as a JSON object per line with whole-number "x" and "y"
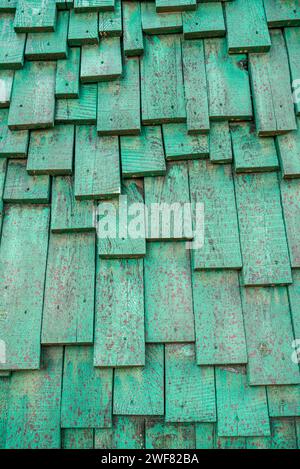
{"x": 155, "y": 341}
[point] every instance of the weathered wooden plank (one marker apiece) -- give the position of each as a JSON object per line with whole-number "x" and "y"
{"x": 77, "y": 438}
{"x": 119, "y": 319}
{"x": 294, "y": 298}
{"x": 282, "y": 13}
{"x": 13, "y": 144}
{"x": 51, "y": 151}
{"x": 103, "y": 438}
{"x": 220, "y": 150}
{"x": 269, "y": 336}
{"x": 168, "y": 195}
{"x": 52, "y": 45}
{"x": 23, "y": 254}
{"x": 4, "y": 400}
{"x": 159, "y": 23}
{"x": 119, "y": 103}
{"x": 121, "y": 224}
{"x": 162, "y": 80}
{"x": 132, "y": 29}
{"x": 290, "y": 196}
{"x": 140, "y": 390}
{"x": 161, "y": 435}
{"x": 110, "y": 22}
{"x": 34, "y": 404}
{"x": 88, "y": 406}
{"x": 220, "y": 336}
{"x": 247, "y": 29}
{"x": 11, "y": 44}
{"x": 195, "y": 87}
{"x": 35, "y": 16}
{"x": 206, "y": 21}
{"x": 170, "y": 296}
{"x": 205, "y": 436}
{"x": 96, "y": 61}
{"x": 175, "y": 5}
{"x": 129, "y": 432}
{"x": 78, "y": 111}
{"x": 83, "y": 28}
{"x": 213, "y": 185}
{"x": 228, "y": 83}
{"x": 97, "y": 165}
{"x": 284, "y": 401}
{"x": 292, "y": 42}
{"x": 22, "y": 188}
{"x": 242, "y": 409}
{"x": 69, "y": 214}
{"x": 190, "y": 389}
{"x": 143, "y": 155}
{"x": 29, "y": 109}
{"x": 273, "y": 104}
{"x": 288, "y": 148}
{"x": 262, "y": 233}
{"x": 67, "y": 75}
{"x": 68, "y": 315}
{"x": 3, "y": 166}
{"x": 6, "y": 84}
{"x": 93, "y": 5}
{"x": 252, "y": 153}
{"x": 179, "y": 145}
{"x": 7, "y": 6}
{"x": 283, "y": 434}
{"x": 231, "y": 442}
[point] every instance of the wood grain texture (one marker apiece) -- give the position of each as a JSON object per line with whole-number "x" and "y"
{"x": 220, "y": 336}
{"x": 220, "y": 149}
{"x": 8, "y": 6}
{"x": 6, "y": 84}
{"x": 29, "y": 109}
{"x": 170, "y": 295}
{"x": 290, "y": 197}
{"x": 4, "y": 399}
{"x": 83, "y": 28}
{"x": 242, "y": 409}
{"x": 190, "y": 389}
{"x": 3, "y": 166}
{"x": 78, "y": 111}
{"x": 129, "y": 432}
{"x": 159, "y": 23}
{"x": 67, "y": 75}
{"x": 263, "y": 239}
{"x": 162, "y": 80}
{"x": 110, "y": 22}
{"x": 162, "y": 435}
{"x": 284, "y": 401}
{"x": 89, "y": 406}
{"x": 97, "y": 166}
{"x": 68, "y": 315}
{"x": 179, "y": 145}
{"x": 13, "y": 144}
{"x": 140, "y": 390}
{"x": 96, "y": 61}
{"x": 12, "y": 45}
{"x": 77, "y": 438}
{"x": 175, "y": 5}
{"x": 35, "y": 16}
{"x": 206, "y": 21}
{"x": 205, "y": 435}
{"x": 119, "y": 319}
{"x": 23, "y": 249}
{"x": 213, "y": 185}
{"x": 294, "y": 299}
{"x": 93, "y": 5}
{"x": 288, "y": 149}
{"x": 292, "y": 42}
{"x": 132, "y": 29}
{"x": 281, "y": 13}
{"x": 22, "y": 188}
{"x": 269, "y": 336}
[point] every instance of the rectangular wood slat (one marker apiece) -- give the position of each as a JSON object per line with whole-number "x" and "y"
{"x": 6, "y": 84}
{"x": 3, "y": 166}
{"x": 93, "y": 5}
{"x": 68, "y": 214}
{"x": 213, "y": 185}
{"x": 4, "y": 399}
{"x": 13, "y": 144}
{"x": 162, "y": 80}
{"x": 128, "y": 432}
{"x": 88, "y": 406}
{"x": 119, "y": 103}
{"x": 179, "y": 145}
{"x": 220, "y": 336}
{"x": 220, "y": 148}
{"x": 162, "y": 435}
{"x": 97, "y": 166}
{"x": 77, "y": 438}
{"x": 69, "y": 289}
{"x": 288, "y": 148}
{"x": 282, "y": 13}
{"x": 8, "y": 6}
{"x": 83, "y": 28}
{"x": 121, "y": 224}
{"x": 175, "y": 5}
{"x": 242, "y": 409}
{"x": 35, "y": 16}
{"x": 273, "y": 104}
{"x": 51, "y": 151}
{"x": 269, "y": 335}
{"x": 23, "y": 251}
{"x": 67, "y": 75}
{"x": 132, "y": 29}
{"x": 284, "y": 401}
{"x": 247, "y": 29}
{"x": 34, "y": 405}
{"x": 294, "y": 299}
{"x": 205, "y": 436}
{"x": 170, "y": 296}
{"x": 190, "y": 389}
{"x": 22, "y": 188}
{"x": 78, "y": 111}
{"x": 12, "y": 45}
{"x": 110, "y": 22}
{"x": 140, "y": 390}
{"x": 195, "y": 86}
{"x": 159, "y": 23}
{"x": 206, "y": 21}
{"x": 96, "y": 61}
{"x": 29, "y": 109}
{"x": 290, "y": 196}
{"x": 292, "y": 42}
{"x": 119, "y": 318}
{"x": 262, "y": 232}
